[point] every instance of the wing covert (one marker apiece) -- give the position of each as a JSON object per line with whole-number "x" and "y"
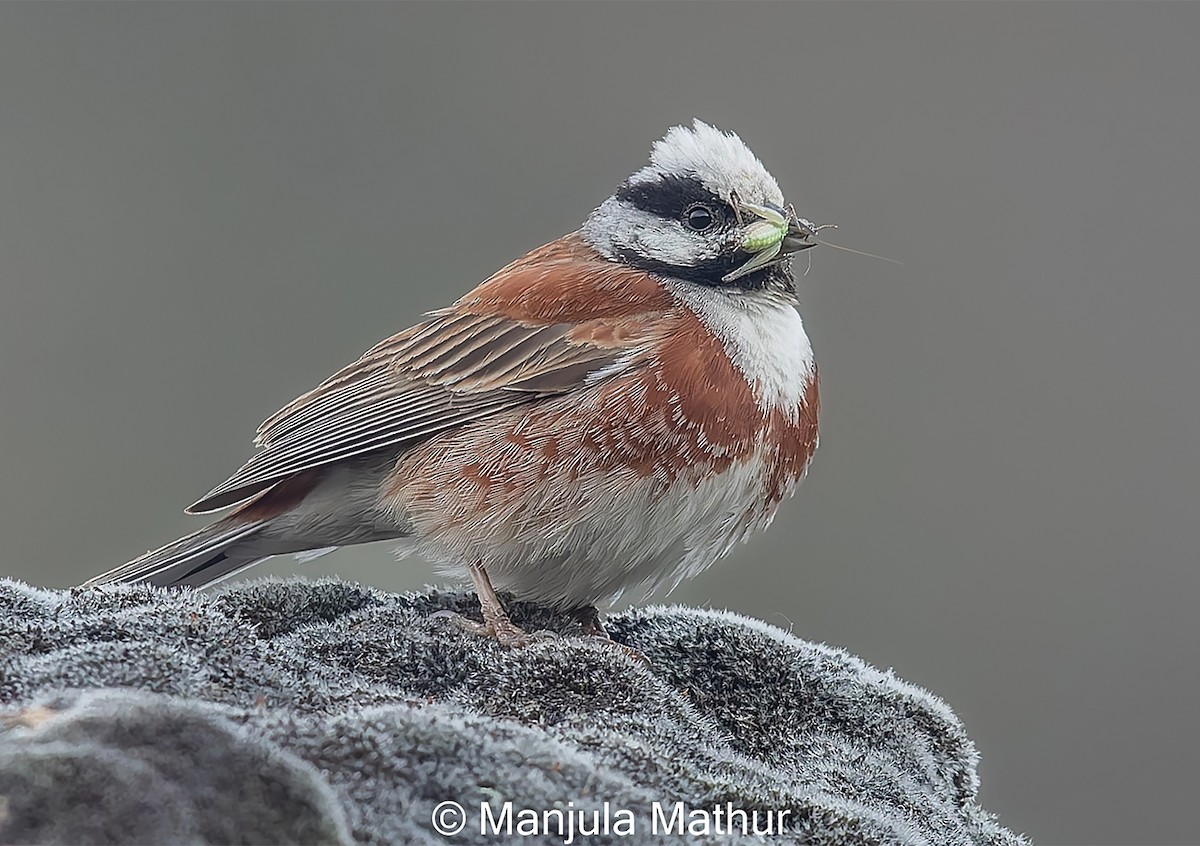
{"x": 450, "y": 370}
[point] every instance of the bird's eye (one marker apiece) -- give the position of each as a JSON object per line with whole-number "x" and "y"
{"x": 699, "y": 218}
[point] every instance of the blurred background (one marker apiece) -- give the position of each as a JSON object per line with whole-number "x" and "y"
{"x": 206, "y": 209}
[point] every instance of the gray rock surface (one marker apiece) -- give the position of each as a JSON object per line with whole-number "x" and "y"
{"x": 324, "y": 712}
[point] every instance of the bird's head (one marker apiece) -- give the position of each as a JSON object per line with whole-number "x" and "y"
{"x": 704, "y": 210}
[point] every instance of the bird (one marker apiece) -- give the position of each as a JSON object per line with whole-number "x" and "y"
{"x": 616, "y": 409}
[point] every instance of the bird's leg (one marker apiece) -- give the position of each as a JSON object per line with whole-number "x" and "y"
{"x": 588, "y": 618}
{"x": 496, "y": 622}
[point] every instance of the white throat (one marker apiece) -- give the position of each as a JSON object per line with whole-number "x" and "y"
{"x": 764, "y": 336}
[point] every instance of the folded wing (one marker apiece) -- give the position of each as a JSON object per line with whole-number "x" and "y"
{"x": 452, "y": 369}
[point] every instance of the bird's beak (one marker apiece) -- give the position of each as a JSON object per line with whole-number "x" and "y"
{"x": 771, "y": 234}
{"x": 800, "y": 235}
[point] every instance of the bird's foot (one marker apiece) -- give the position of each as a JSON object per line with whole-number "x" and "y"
{"x": 503, "y": 630}
{"x": 496, "y": 622}
{"x": 588, "y": 618}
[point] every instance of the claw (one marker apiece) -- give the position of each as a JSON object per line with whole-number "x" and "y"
{"x": 589, "y": 622}
{"x": 506, "y": 632}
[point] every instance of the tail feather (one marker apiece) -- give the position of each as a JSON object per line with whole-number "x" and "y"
{"x": 315, "y": 510}
{"x": 201, "y": 558}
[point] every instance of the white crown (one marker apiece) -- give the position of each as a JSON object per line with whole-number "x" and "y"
{"x": 720, "y": 160}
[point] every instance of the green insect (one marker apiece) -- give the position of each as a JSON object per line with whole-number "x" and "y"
{"x": 762, "y": 235}
{"x": 763, "y": 239}
{"x": 765, "y": 232}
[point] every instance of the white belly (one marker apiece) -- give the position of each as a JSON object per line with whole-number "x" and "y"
{"x": 634, "y": 535}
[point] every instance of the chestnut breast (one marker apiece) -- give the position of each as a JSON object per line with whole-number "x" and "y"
{"x": 689, "y": 407}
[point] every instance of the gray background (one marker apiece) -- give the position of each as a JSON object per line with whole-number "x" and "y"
{"x": 204, "y": 210}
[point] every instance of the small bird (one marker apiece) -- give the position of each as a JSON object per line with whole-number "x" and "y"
{"x": 614, "y": 409}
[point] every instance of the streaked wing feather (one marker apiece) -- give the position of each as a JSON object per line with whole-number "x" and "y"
{"x": 450, "y": 370}
{"x": 559, "y": 379}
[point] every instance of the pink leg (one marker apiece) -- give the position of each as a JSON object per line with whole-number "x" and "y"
{"x": 496, "y": 622}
